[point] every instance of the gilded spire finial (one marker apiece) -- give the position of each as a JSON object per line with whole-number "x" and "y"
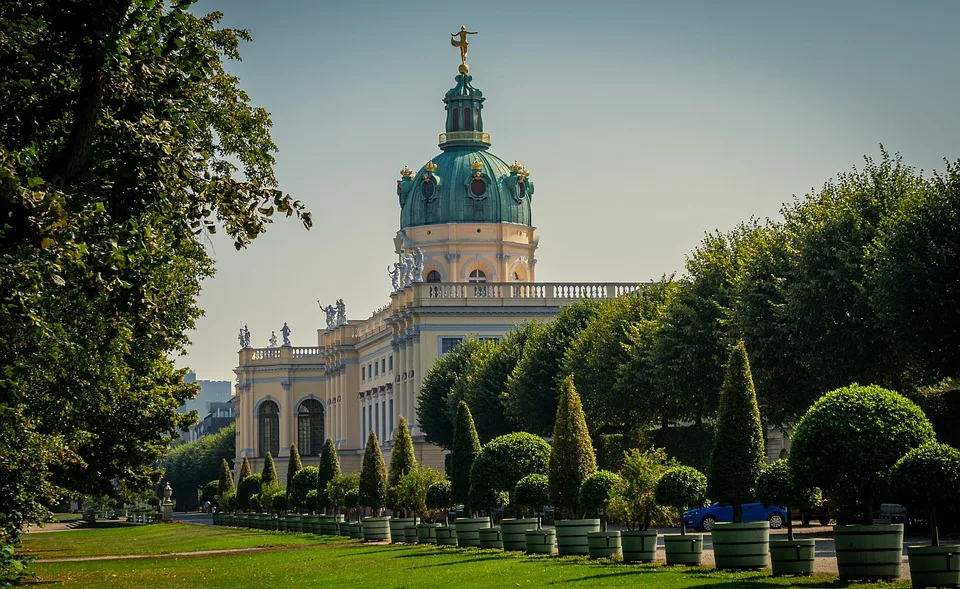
{"x": 516, "y": 168}
{"x": 462, "y": 45}
{"x": 406, "y": 172}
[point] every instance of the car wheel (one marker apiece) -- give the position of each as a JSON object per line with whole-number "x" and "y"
{"x": 707, "y": 523}
{"x": 824, "y": 521}
{"x": 776, "y": 521}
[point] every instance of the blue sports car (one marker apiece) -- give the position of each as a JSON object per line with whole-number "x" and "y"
{"x": 703, "y": 518}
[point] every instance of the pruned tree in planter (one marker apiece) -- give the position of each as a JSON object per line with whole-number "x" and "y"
{"x": 402, "y": 462}
{"x": 412, "y": 489}
{"x": 294, "y": 464}
{"x": 302, "y": 483}
{"x": 269, "y": 472}
{"x": 739, "y": 445}
{"x": 440, "y": 497}
{"x": 682, "y": 487}
{"x": 775, "y": 486}
{"x": 849, "y": 440}
{"x": 247, "y": 488}
{"x": 572, "y": 458}
{"x": 245, "y": 470}
{"x": 633, "y": 502}
{"x": 507, "y": 459}
{"x": 596, "y": 492}
{"x": 373, "y": 476}
{"x": 226, "y": 478}
{"x": 327, "y": 470}
{"x": 466, "y": 447}
{"x": 928, "y": 479}
{"x": 342, "y": 490}
{"x": 533, "y": 492}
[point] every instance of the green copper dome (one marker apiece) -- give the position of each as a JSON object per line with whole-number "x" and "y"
{"x": 465, "y": 183}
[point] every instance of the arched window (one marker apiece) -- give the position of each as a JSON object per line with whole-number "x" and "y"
{"x": 433, "y": 276}
{"x": 268, "y": 418}
{"x": 478, "y": 276}
{"x": 455, "y": 120}
{"x": 310, "y": 428}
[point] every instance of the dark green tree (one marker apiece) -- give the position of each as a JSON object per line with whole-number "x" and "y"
{"x": 533, "y": 492}
{"x": 533, "y": 388}
{"x": 226, "y": 476}
{"x": 302, "y": 483}
{"x": 466, "y": 447}
{"x": 739, "y": 443}
{"x": 269, "y": 472}
{"x": 192, "y": 464}
{"x": 373, "y": 476}
{"x": 681, "y": 488}
{"x": 245, "y": 469}
{"x": 402, "y": 458}
{"x": 440, "y": 497}
{"x": 572, "y": 458}
{"x": 328, "y": 469}
{"x": 597, "y": 490}
{"x": 775, "y": 486}
{"x": 927, "y": 479}
{"x": 248, "y": 486}
{"x": 507, "y": 459}
{"x": 293, "y": 467}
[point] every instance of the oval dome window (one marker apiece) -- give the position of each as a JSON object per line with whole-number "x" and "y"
{"x": 478, "y": 187}
{"x": 428, "y": 189}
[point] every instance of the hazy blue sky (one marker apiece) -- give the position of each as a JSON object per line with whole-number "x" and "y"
{"x": 643, "y": 124}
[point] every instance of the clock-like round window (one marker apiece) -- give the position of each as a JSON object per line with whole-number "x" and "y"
{"x": 428, "y": 189}
{"x": 478, "y": 187}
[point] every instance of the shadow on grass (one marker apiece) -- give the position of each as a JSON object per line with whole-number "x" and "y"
{"x": 626, "y": 573}
{"x": 459, "y": 562}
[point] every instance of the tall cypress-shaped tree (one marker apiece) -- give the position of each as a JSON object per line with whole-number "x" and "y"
{"x": 572, "y": 458}
{"x": 466, "y": 446}
{"x": 402, "y": 458}
{"x": 293, "y": 466}
{"x": 373, "y": 476}
{"x": 328, "y": 469}
{"x": 226, "y": 478}
{"x": 738, "y": 444}
{"x": 269, "y": 475}
{"x": 245, "y": 469}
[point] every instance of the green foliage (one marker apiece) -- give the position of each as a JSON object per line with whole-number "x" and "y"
{"x": 293, "y": 467}
{"x": 739, "y": 445}
{"x": 571, "y": 457}
{"x": 413, "y": 486}
{"x": 303, "y": 482}
{"x": 681, "y": 487}
{"x": 248, "y": 487}
{"x": 532, "y": 492}
{"x": 689, "y": 444}
{"x": 328, "y": 469}
{"x": 775, "y": 486}
{"x": 441, "y": 392}
{"x": 227, "y": 501}
{"x": 440, "y": 495}
{"x": 256, "y": 502}
{"x": 402, "y": 459}
{"x": 193, "y": 464}
{"x": 466, "y": 447}
{"x": 633, "y": 503}
{"x": 849, "y": 440}
{"x": 340, "y": 488}
{"x": 506, "y": 460}
{"x": 226, "y": 475}
{"x": 533, "y": 388}
{"x": 245, "y": 468}
{"x": 598, "y": 488}
{"x": 311, "y": 501}
{"x": 210, "y": 492}
{"x": 269, "y": 472}
{"x": 927, "y": 478}
{"x": 274, "y": 499}
{"x": 373, "y": 476}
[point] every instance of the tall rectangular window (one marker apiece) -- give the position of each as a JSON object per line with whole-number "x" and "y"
{"x": 383, "y": 417}
{"x": 391, "y": 415}
{"x": 447, "y": 344}
{"x": 376, "y": 420}
{"x": 467, "y": 120}
{"x": 363, "y": 422}
{"x": 391, "y": 362}
{"x": 369, "y": 421}
{"x": 363, "y": 373}
{"x": 383, "y": 365}
{"x": 376, "y": 369}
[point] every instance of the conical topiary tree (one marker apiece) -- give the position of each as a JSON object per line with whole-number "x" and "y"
{"x": 373, "y": 476}
{"x": 738, "y": 445}
{"x": 328, "y": 469}
{"x": 245, "y": 469}
{"x": 572, "y": 458}
{"x": 466, "y": 446}
{"x": 269, "y": 474}
{"x": 293, "y": 467}
{"x": 402, "y": 459}
{"x": 226, "y": 478}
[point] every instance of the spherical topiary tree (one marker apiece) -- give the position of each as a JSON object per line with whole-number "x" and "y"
{"x": 269, "y": 472}
{"x": 327, "y": 470}
{"x": 373, "y": 476}
{"x": 775, "y": 486}
{"x": 294, "y": 464}
{"x": 596, "y": 491}
{"x": 738, "y": 443}
{"x": 681, "y": 488}
{"x": 303, "y": 482}
{"x": 248, "y": 487}
{"x": 849, "y": 440}
{"x": 928, "y": 478}
{"x": 311, "y": 502}
{"x": 440, "y": 496}
{"x": 507, "y": 459}
{"x": 533, "y": 492}
{"x": 466, "y": 447}
{"x": 572, "y": 458}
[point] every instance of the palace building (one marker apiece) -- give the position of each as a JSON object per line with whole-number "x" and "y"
{"x": 467, "y": 247}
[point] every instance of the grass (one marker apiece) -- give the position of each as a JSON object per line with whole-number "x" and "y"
{"x": 307, "y": 561}
{"x": 67, "y": 517}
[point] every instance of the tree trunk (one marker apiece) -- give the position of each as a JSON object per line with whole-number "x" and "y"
{"x": 789, "y": 525}
{"x": 934, "y": 533}
{"x": 683, "y": 528}
{"x": 737, "y": 513}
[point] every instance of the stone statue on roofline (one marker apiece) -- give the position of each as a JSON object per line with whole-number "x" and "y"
{"x": 285, "y": 332}
{"x": 273, "y": 339}
{"x": 394, "y": 273}
{"x": 418, "y": 265}
{"x": 331, "y": 315}
{"x": 341, "y": 312}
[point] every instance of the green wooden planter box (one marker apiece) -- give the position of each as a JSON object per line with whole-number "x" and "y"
{"x": 410, "y": 534}
{"x": 513, "y": 532}
{"x": 344, "y": 529}
{"x": 792, "y": 557}
{"x": 397, "y": 527}
{"x": 935, "y": 566}
{"x": 687, "y": 549}
{"x": 741, "y": 546}
{"x": 320, "y": 524}
{"x": 427, "y": 533}
{"x": 282, "y": 523}
{"x": 869, "y": 552}
{"x": 293, "y": 523}
{"x": 446, "y": 535}
{"x": 330, "y": 526}
{"x": 491, "y": 538}
{"x": 308, "y": 522}
{"x": 356, "y": 530}
{"x": 264, "y": 521}
{"x": 638, "y": 545}
{"x": 603, "y": 544}
{"x": 376, "y": 529}
{"x": 540, "y": 541}
{"x": 468, "y": 530}
{"x": 572, "y": 535}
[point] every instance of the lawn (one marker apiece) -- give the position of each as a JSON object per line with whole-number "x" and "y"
{"x": 307, "y": 561}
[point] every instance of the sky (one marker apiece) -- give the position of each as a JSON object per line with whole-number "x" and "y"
{"x": 643, "y": 124}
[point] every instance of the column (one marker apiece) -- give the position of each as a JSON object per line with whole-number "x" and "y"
{"x": 400, "y": 366}
{"x": 412, "y": 387}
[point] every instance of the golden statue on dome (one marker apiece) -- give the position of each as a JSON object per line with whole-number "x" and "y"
{"x": 462, "y": 44}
